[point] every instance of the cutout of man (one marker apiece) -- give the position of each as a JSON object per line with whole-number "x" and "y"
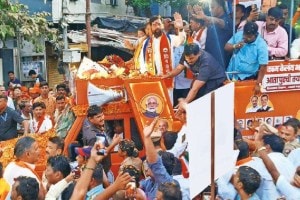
{"x": 254, "y": 102}
{"x": 151, "y": 107}
{"x": 264, "y": 99}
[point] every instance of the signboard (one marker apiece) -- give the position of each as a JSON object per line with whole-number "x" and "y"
{"x": 278, "y": 101}
{"x": 282, "y": 76}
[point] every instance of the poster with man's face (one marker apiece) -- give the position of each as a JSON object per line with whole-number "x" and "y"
{"x": 151, "y": 105}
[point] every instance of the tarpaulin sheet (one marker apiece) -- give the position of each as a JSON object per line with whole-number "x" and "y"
{"x": 122, "y": 25}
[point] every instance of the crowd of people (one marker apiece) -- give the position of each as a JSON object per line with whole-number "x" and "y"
{"x": 203, "y": 49}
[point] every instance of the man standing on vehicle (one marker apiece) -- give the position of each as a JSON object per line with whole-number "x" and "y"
{"x": 208, "y": 73}
{"x": 250, "y": 55}
{"x": 158, "y": 50}
{"x": 275, "y": 36}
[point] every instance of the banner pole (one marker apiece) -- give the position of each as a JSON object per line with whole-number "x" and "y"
{"x": 212, "y": 149}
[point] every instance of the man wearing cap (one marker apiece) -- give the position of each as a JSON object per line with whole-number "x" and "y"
{"x": 250, "y": 55}
{"x": 275, "y": 36}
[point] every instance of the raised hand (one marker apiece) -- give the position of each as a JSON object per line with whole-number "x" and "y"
{"x": 178, "y": 20}
{"x": 198, "y": 12}
{"x": 148, "y": 129}
{"x": 116, "y": 139}
{"x": 122, "y": 180}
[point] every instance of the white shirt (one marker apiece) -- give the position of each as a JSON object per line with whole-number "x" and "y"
{"x": 46, "y": 125}
{"x": 56, "y": 190}
{"x": 203, "y": 36}
{"x": 13, "y": 171}
{"x": 180, "y": 145}
{"x": 290, "y": 192}
{"x": 294, "y": 157}
{"x": 10, "y": 103}
{"x": 284, "y": 166}
{"x": 295, "y": 49}
{"x": 184, "y": 186}
{"x": 267, "y": 189}
{"x": 252, "y": 109}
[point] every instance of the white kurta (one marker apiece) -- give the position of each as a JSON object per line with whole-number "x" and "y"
{"x": 46, "y": 125}
{"x": 13, "y": 171}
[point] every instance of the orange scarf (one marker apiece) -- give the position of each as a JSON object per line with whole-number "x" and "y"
{"x": 165, "y": 56}
{"x": 40, "y": 122}
{"x": 243, "y": 161}
{"x": 198, "y": 37}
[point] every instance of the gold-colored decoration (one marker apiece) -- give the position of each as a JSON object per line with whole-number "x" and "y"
{"x": 80, "y": 110}
{"x": 9, "y": 145}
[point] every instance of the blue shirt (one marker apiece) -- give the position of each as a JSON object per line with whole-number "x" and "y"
{"x": 248, "y": 59}
{"x": 160, "y": 176}
{"x": 253, "y": 197}
{"x": 91, "y": 194}
{"x": 180, "y": 81}
{"x": 217, "y": 38}
{"x": 8, "y": 124}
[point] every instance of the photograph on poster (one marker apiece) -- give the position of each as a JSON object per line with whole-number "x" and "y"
{"x": 287, "y": 118}
{"x": 278, "y": 121}
{"x": 152, "y": 105}
{"x": 241, "y": 123}
{"x": 269, "y": 120}
{"x": 259, "y": 104}
{"x": 249, "y": 123}
{"x": 37, "y": 66}
{"x": 260, "y": 120}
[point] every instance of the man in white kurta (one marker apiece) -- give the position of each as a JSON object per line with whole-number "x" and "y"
{"x": 40, "y": 123}
{"x": 27, "y": 153}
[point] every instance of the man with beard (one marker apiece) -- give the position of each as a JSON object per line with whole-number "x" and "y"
{"x": 250, "y": 57}
{"x": 208, "y": 73}
{"x": 157, "y": 51}
{"x": 151, "y": 106}
{"x": 275, "y": 36}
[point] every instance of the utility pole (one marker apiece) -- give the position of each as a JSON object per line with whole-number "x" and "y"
{"x": 88, "y": 27}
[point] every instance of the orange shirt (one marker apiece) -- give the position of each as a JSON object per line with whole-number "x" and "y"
{"x": 49, "y": 102}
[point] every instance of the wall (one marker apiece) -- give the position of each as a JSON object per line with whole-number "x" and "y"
{"x": 98, "y": 8}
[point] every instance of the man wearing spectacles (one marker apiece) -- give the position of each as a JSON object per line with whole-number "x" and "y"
{"x": 151, "y": 107}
